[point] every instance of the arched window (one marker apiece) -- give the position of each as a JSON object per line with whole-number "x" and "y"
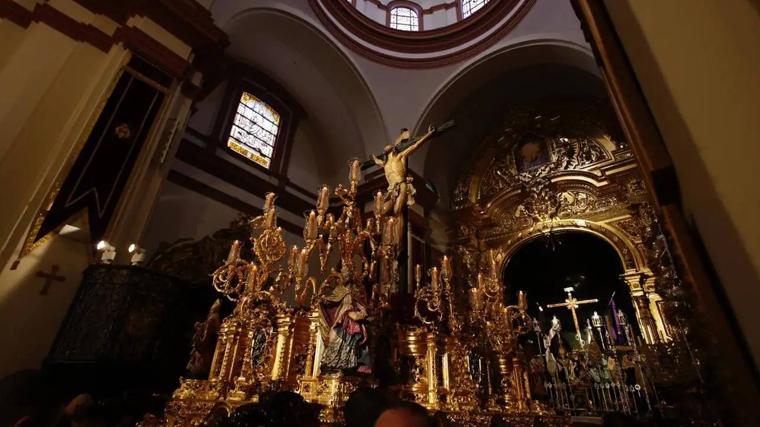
{"x": 254, "y": 129}
{"x": 471, "y": 6}
{"x": 404, "y": 18}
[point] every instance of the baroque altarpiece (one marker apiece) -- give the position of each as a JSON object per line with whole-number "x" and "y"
{"x": 321, "y": 318}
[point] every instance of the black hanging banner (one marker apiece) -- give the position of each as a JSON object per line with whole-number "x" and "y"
{"x": 100, "y": 172}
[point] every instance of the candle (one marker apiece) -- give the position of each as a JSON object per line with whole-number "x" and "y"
{"x": 234, "y": 252}
{"x": 481, "y": 285}
{"x": 293, "y": 256}
{"x": 268, "y": 201}
{"x": 302, "y": 259}
{"x": 522, "y": 301}
{"x": 446, "y": 267}
{"x": 324, "y": 198}
{"x": 418, "y": 273}
{"x": 311, "y": 226}
{"x": 434, "y": 279}
{"x": 356, "y": 171}
{"x": 378, "y": 203}
{"x": 252, "y": 273}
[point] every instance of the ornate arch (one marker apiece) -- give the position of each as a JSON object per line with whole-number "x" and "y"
{"x": 559, "y": 168}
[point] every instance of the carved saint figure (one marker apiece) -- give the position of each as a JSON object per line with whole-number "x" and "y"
{"x": 343, "y": 332}
{"x": 204, "y": 342}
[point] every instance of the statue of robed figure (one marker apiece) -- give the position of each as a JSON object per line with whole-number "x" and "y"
{"x": 343, "y": 330}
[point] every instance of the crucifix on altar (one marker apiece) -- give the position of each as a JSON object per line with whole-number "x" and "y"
{"x": 573, "y": 304}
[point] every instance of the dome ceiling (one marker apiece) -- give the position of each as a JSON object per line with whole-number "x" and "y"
{"x": 437, "y": 43}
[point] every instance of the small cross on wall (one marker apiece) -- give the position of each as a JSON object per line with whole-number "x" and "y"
{"x": 50, "y": 278}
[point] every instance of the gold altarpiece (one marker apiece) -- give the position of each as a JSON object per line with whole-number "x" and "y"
{"x": 558, "y": 169}
{"x": 460, "y": 356}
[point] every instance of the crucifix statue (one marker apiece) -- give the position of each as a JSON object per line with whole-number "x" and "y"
{"x": 573, "y": 304}
{"x": 393, "y": 161}
{"x": 50, "y": 278}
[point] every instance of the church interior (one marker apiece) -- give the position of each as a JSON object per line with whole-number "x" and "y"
{"x": 379, "y": 212}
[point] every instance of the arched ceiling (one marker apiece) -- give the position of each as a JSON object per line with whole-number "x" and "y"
{"x": 340, "y": 108}
{"x": 355, "y": 106}
{"x": 478, "y": 98}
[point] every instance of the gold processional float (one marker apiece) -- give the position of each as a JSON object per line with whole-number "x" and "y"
{"x": 291, "y": 331}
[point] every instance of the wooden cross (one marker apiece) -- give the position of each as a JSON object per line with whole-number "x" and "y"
{"x": 572, "y": 304}
{"x": 50, "y": 278}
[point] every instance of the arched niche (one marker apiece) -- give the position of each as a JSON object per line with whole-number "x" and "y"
{"x": 545, "y": 266}
{"x": 636, "y": 273}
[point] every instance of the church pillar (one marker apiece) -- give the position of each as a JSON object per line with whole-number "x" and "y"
{"x": 647, "y": 325}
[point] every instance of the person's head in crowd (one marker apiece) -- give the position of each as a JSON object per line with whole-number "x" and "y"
{"x": 405, "y": 414}
{"x": 364, "y": 406}
{"x": 250, "y": 414}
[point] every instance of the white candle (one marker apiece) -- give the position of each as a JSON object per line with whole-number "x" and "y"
{"x": 323, "y": 199}
{"x": 356, "y": 171}
{"x": 234, "y": 252}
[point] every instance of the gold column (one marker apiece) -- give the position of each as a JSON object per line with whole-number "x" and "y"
{"x": 653, "y": 299}
{"x": 284, "y": 324}
{"x": 431, "y": 363}
{"x": 635, "y": 281}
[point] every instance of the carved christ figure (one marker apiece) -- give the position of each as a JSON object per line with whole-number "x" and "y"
{"x": 393, "y": 161}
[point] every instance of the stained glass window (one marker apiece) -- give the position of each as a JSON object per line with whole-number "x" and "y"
{"x": 405, "y": 19}
{"x": 471, "y": 6}
{"x": 254, "y": 130}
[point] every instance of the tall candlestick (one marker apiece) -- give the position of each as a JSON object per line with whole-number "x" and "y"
{"x": 356, "y": 171}
{"x": 234, "y": 252}
{"x": 324, "y": 198}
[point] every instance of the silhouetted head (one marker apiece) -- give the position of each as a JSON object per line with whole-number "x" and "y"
{"x": 364, "y": 406}
{"x": 405, "y": 414}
